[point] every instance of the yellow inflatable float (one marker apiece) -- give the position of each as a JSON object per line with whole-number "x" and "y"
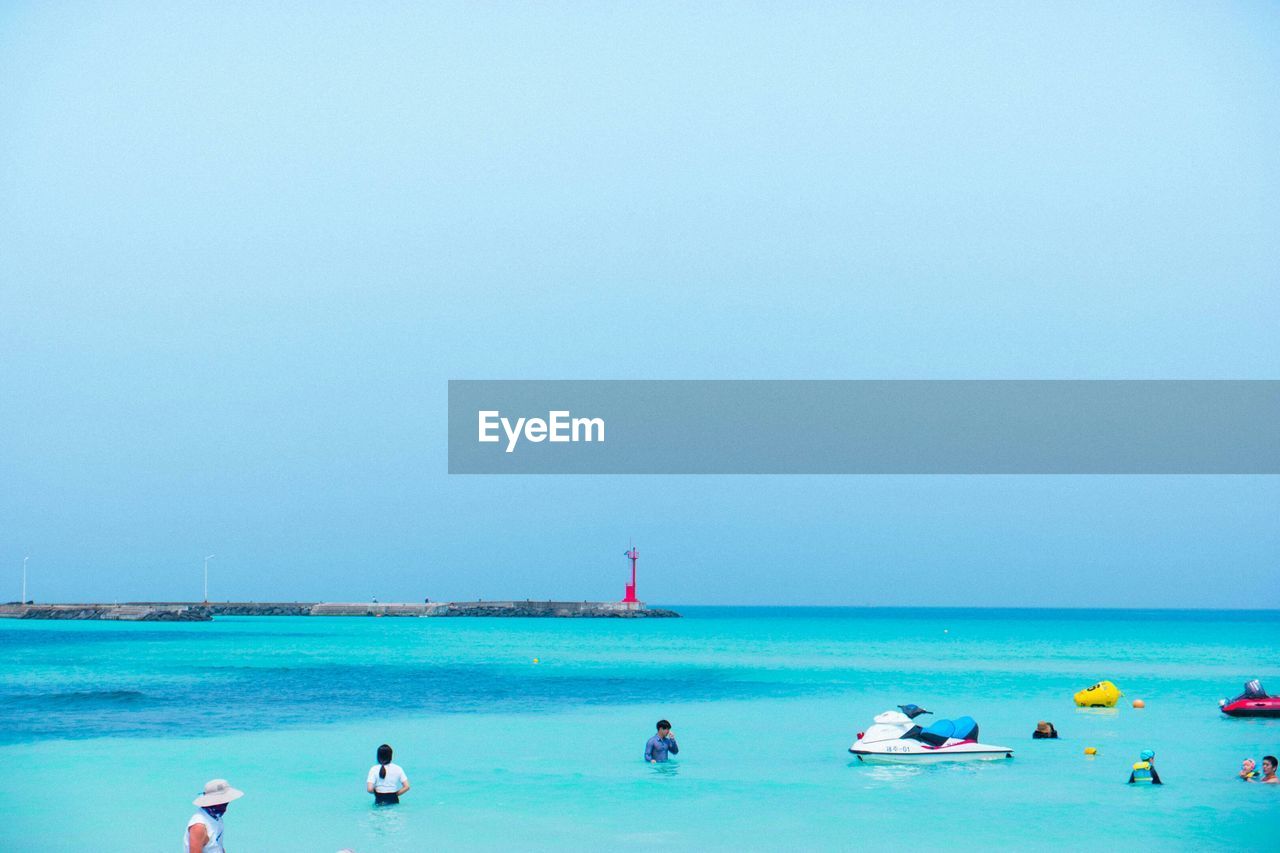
{"x": 1104, "y": 694}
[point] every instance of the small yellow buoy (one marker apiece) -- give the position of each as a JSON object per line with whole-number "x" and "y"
{"x": 1138, "y": 703}
{"x": 1090, "y": 750}
{"x": 535, "y": 660}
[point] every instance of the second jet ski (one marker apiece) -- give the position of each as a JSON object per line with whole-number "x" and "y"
{"x": 895, "y": 737}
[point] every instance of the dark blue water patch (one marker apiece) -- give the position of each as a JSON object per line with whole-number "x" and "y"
{"x": 132, "y": 633}
{"x": 248, "y": 698}
{"x": 75, "y": 699}
{"x": 239, "y": 698}
{"x": 30, "y": 637}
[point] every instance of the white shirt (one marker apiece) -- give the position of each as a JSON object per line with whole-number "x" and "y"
{"x": 394, "y": 782}
{"x": 212, "y": 825}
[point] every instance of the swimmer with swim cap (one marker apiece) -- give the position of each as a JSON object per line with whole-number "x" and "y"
{"x": 1144, "y": 770}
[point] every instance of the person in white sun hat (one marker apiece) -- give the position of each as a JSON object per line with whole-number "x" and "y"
{"x": 204, "y": 830}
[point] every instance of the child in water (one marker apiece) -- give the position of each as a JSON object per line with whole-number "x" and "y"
{"x": 1144, "y": 770}
{"x": 1247, "y": 773}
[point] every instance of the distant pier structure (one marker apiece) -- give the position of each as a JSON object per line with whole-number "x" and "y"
{"x": 630, "y": 599}
{"x": 629, "y": 607}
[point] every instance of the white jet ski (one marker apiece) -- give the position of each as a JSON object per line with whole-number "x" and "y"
{"x": 897, "y": 738}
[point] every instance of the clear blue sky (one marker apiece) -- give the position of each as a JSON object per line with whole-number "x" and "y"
{"x": 242, "y": 251}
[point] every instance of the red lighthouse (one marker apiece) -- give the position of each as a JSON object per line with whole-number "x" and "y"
{"x": 630, "y": 597}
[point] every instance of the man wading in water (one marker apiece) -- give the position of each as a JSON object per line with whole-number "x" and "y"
{"x": 655, "y": 751}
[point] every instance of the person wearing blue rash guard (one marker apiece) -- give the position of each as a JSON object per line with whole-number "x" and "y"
{"x": 664, "y": 742}
{"x": 1144, "y": 770}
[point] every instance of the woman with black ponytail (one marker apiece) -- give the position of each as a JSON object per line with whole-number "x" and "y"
{"x": 386, "y": 780}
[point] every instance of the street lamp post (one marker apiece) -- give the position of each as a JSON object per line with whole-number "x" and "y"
{"x": 206, "y": 577}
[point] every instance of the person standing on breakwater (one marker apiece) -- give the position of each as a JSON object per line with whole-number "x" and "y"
{"x": 204, "y": 830}
{"x": 386, "y": 780}
{"x": 655, "y": 751}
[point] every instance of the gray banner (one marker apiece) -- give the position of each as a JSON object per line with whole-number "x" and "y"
{"x": 864, "y": 427}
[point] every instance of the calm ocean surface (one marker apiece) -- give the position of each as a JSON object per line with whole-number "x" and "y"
{"x": 108, "y": 730}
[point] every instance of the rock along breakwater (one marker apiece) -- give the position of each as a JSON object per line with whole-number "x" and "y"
{"x": 188, "y": 611}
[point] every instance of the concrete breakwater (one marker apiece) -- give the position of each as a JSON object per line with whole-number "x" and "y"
{"x": 259, "y": 608}
{"x": 106, "y": 612}
{"x": 588, "y": 609}
{"x": 187, "y": 611}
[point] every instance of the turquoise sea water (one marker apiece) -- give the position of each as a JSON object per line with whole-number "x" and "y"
{"x": 107, "y": 730}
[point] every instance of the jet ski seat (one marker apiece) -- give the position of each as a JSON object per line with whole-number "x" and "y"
{"x": 966, "y": 728}
{"x": 961, "y": 728}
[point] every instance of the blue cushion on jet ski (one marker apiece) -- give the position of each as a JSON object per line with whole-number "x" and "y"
{"x": 942, "y": 729}
{"x": 966, "y": 727}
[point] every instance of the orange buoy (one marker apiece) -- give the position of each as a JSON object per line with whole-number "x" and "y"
{"x": 1138, "y": 703}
